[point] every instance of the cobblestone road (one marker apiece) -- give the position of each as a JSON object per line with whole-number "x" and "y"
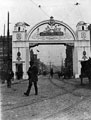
{"x": 57, "y": 100}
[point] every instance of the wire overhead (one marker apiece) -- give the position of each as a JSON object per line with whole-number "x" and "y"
{"x": 78, "y": 4}
{"x": 40, "y": 7}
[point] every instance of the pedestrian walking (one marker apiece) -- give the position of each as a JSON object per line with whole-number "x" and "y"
{"x": 33, "y": 78}
{"x": 10, "y": 75}
{"x": 51, "y": 72}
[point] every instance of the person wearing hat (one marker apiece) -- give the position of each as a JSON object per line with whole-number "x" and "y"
{"x": 33, "y": 78}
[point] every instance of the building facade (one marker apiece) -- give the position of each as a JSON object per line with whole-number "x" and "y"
{"x": 5, "y": 53}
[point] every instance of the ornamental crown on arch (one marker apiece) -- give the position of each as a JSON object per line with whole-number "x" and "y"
{"x": 52, "y": 21}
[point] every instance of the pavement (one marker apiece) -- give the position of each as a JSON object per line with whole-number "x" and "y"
{"x": 58, "y": 99}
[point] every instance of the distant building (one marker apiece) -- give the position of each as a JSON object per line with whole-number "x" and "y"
{"x": 5, "y": 53}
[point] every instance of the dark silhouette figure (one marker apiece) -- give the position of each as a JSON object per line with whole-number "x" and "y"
{"x": 19, "y": 72}
{"x": 51, "y": 72}
{"x": 86, "y": 70}
{"x": 10, "y": 75}
{"x": 59, "y": 75}
{"x": 33, "y": 78}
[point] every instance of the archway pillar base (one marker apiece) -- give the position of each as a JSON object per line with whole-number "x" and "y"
{"x": 79, "y": 47}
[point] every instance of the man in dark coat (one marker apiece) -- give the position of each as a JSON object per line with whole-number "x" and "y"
{"x": 33, "y": 78}
{"x": 51, "y": 72}
{"x": 10, "y": 75}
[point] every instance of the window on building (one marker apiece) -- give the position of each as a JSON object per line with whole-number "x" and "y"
{"x": 82, "y": 27}
{"x": 18, "y": 28}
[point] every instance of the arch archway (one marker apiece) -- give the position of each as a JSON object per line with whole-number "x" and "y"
{"x": 48, "y": 32}
{"x": 64, "y": 35}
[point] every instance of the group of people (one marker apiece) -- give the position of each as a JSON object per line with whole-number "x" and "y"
{"x": 32, "y": 77}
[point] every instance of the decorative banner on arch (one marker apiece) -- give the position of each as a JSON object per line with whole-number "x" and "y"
{"x": 51, "y": 32}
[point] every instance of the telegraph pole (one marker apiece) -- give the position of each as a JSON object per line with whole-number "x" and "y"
{"x": 8, "y": 26}
{"x": 8, "y": 40}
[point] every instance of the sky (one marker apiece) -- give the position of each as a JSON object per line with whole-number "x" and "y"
{"x": 30, "y": 12}
{"x": 35, "y": 11}
{"x": 51, "y": 53}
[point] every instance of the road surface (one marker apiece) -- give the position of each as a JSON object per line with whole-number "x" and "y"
{"x": 58, "y": 99}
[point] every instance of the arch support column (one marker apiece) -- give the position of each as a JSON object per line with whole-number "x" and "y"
{"x": 75, "y": 62}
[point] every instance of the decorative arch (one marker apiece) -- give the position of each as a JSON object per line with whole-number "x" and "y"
{"x": 51, "y": 21}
